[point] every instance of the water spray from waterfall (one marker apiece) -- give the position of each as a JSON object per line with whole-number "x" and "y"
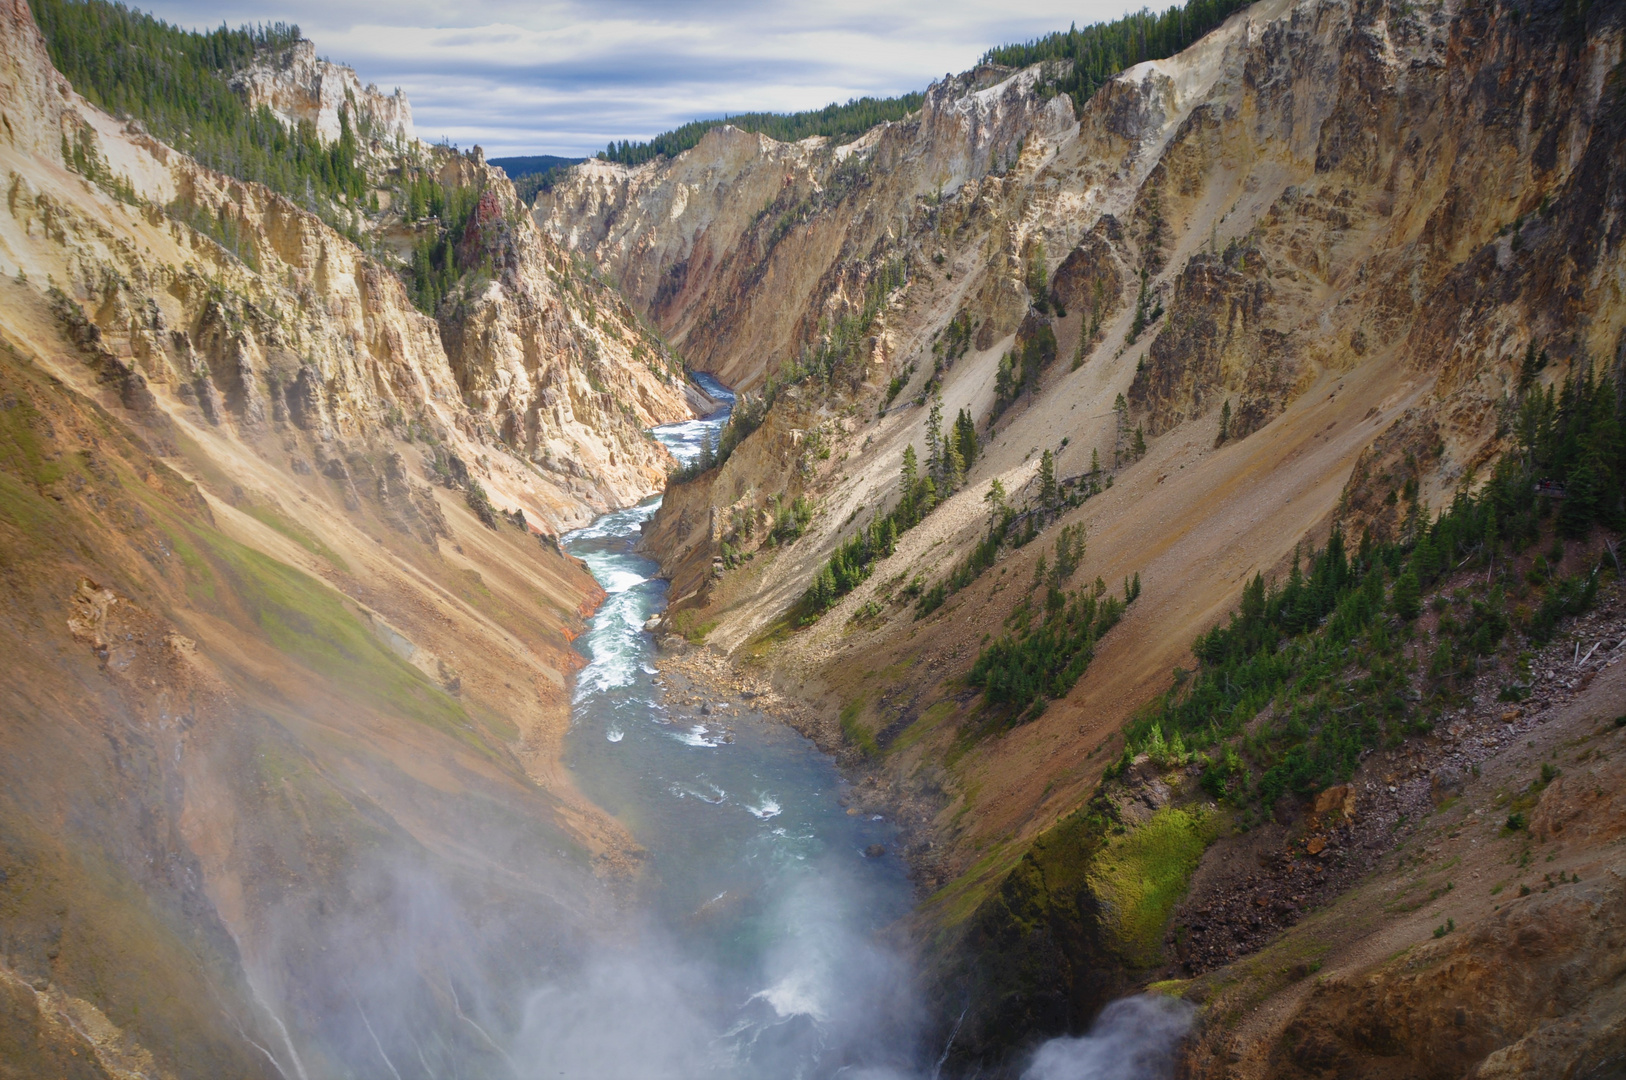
{"x": 1136, "y": 1038}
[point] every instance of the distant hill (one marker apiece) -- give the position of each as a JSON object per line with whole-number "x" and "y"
{"x": 536, "y": 164}
{"x": 534, "y": 173}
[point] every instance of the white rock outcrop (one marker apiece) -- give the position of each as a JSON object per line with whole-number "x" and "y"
{"x": 300, "y": 87}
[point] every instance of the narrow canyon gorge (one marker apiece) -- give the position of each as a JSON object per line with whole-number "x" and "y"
{"x": 1117, "y": 582}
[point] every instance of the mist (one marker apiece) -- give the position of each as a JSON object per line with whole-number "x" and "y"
{"x": 822, "y": 1000}
{"x": 1134, "y": 1038}
{"x": 424, "y": 978}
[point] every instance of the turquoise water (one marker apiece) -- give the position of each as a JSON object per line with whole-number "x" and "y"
{"x": 765, "y": 916}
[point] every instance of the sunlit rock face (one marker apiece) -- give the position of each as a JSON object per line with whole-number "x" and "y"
{"x": 1340, "y": 225}
{"x": 740, "y": 246}
{"x": 301, "y": 88}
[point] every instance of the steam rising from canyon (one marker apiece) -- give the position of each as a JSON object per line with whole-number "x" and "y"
{"x": 1134, "y": 1038}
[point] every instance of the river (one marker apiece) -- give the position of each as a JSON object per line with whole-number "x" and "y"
{"x": 766, "y": 901}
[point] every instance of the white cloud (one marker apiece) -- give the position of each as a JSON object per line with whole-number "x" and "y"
{"x": 566, "y": 76}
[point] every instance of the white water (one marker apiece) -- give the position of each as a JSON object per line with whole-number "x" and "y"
{"x": 765, "y": 919}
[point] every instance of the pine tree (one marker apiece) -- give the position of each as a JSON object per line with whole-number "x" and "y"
{"x": 1225, "y": 422}
{"x": 934, "y": 438}
{"x": 1038, "y": 286}
{"x": 953, "y": 467}
{"x": 1095, "y": 461}
{"x": 825, "y": 588}
{"x": 1048, "y": 493}
{"x": 1141, "y": 311}
{"x": 995, "y": 500}
{"x": 965, "y": 432}
{"x": 1581, "y": 498}
{"x": 1005, "y": 383}
{"x": 1528, "y": 369}
{"x": 1070, "y": 545}
{"x": 1139, "y": 446}
{"x": 907, "y": 482}
{"x": 1407, "y": 596}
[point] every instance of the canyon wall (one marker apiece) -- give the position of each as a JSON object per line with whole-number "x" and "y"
{"x": 741, "y": 248}
{"x": 287, "y": 625}
{"x": 300, "y": 88}
{"x": 1340, "y": 225}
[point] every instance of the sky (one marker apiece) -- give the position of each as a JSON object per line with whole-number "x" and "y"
{"x": 567, "y": 76}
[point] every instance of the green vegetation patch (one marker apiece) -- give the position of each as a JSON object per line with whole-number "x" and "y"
{"x": 437, "y": 264}
{"x": 1139, "y": 877}
{"x": 964, "y": 896}
{"x": 306, "y": 621}
{"x": 32, "y": 514}
{"x": 1039, "y": 660}
{"x": 22, "y": 454}
{"x": 275, "y": 521}
{"x": 923, "y": 724}
{"x": 691, "y": 627}
{"x": 853, "y": 729}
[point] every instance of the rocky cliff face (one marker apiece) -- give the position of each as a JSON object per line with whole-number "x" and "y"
{"x": 742, "y": 249}
{"x": 1341, "y": 224}
{"x": 555, "y": 366}
{"x": 288, "y": 633}
{"x": 300, "y": 88}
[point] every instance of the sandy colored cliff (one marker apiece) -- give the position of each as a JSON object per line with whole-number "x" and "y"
{"x": 287, "y": 626}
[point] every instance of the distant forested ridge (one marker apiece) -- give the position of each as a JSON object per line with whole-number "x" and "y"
{"x": 176, "y": 82}
{"x": 538, "y": 172}
{"x": 843, "y": 123}
{"x": 1097, "y": 52}
{"x": 1102, "y": 50}
{"x": 517, "y": 167}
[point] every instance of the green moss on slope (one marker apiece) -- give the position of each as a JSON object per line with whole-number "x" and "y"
{"x": 1138, "y": 877}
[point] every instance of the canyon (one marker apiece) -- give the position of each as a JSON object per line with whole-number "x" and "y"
{"x": 291, "y": 598}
